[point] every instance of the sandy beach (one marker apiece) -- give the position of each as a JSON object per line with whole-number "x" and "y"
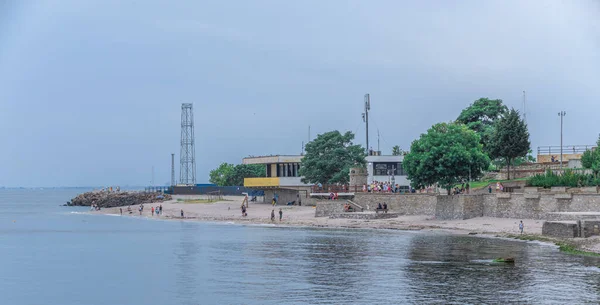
{"x": 229, "y": 210}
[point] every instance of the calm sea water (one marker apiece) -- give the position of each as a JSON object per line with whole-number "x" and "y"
{"x": 55, "y": 255}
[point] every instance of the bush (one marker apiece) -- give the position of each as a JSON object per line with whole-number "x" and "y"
{"x": 568, "y": 179}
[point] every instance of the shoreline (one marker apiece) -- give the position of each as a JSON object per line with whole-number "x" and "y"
{"x": 228, "y": 211}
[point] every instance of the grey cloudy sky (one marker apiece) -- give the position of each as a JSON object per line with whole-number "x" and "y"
{"x": 91, "y": 91}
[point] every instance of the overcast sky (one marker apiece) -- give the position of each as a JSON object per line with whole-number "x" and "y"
{"x": 91, "y": 91}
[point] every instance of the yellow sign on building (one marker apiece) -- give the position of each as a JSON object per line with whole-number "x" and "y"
{"x": 261, "y": 182}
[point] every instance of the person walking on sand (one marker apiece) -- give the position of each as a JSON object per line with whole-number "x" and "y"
{"x": 181, "y": 213}
{"x": 121, "y": 210}
{"x": 152, "y": 211}
{"x": 280, "y": 214}
{"x": 272, "y": 215}
{"x": 160, "y": 208}
{"x": 521, "y": 227}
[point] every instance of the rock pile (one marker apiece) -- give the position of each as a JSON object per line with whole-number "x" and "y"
{"x": 116, "y": 199}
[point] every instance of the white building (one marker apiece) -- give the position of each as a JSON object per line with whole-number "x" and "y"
{"x": 387, "y": 169}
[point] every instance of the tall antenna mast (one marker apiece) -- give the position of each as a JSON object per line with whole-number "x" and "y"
{"x": 524, "y": 109}
{"x": 365, "y": 116}
{"x": 187, "y": 167}
{"x": 378, "y": 140}
{"x": 308, "y": 133}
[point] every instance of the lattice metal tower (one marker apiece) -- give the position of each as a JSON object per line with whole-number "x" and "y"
{"x": 187, "y": 155}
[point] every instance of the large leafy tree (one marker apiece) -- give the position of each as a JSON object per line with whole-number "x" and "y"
{"x": 591, "y": 159}
{"x": 481, "y": 116}
{"x": 220, "y": 174}
{"x": 509, "y": 139}
{"x": 449, "y": 153}
{"x": 233, "y": 175}
{"x": 329, "y": 157}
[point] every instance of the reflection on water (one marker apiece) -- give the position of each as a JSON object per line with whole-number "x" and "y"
{"x": 124, "y": 260}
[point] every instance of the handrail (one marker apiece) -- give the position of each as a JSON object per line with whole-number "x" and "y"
{"x": 355, "y": 205}
{"x": 566, "y": 149}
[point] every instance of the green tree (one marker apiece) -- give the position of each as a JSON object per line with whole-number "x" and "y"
{"x": 396, "y": 150}
{"x": 242, "y": 171}
{"x": 481, "y": 116}
{"x": 591, "y": 159}
{"x": 233, "y": 175}
{"x": 329, "y": 157}
{"x": 510, "y": 139}
{"x": 449, "y": 153}
{"x": 220, "y": 175}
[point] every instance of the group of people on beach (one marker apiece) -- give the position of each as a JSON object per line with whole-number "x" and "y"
{"x": 94, "y": 207}
{"x": 273, "y": 214}
{"x": 158, "y": 210}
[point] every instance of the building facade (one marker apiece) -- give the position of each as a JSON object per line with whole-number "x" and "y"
{"x": 283, "y": 176}
{"x": 387, "y": 169}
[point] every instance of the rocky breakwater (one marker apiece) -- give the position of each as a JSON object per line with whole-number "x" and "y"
{"x": 116, "y": 199}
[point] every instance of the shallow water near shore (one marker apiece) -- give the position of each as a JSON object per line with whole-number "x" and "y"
{"x": 51, "y": 255}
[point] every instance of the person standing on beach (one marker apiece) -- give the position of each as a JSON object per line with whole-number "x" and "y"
{"x": 152, "y": 211}
{"x": 280, "y": 214}
{"x": 272, "y": 215}
{"x": 121, "y": 210}
{"x": 181, "y": 213}
{"x": 160, "y": 207}
{"x": 521, "y": 227}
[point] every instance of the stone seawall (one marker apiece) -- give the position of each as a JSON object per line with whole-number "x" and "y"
{"x": 538, "y": 205}
{"x": 459, "y": 207}
{"x": 532, "y": 204}
{"x": 403, "y": 204}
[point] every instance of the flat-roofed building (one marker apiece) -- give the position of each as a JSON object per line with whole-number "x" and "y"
{"x": 387, "y": 169}
{"x": 282, "y": 178}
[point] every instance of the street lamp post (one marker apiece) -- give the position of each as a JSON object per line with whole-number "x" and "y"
{"x": 561, "y": 115}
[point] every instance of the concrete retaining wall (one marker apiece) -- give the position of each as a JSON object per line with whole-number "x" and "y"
{"x": 459, "y": 207}
{"x": 529, "y": 205}
{"x": 327, "y": 208}
{"x": 564, "y": 229}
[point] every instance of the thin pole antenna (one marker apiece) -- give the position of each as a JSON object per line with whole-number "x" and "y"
{"x": 524, "y": 107}
{"x": 308, "y": 133}
{"x": 152, "y": 181}
{"x": 366, "y": 118}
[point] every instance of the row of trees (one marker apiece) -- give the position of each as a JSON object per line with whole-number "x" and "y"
{"x": 448, "y": 154}
{"x": 328, "y": 159}
{"x": 455, "y": 152}
{"x": 233, "y": 175}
